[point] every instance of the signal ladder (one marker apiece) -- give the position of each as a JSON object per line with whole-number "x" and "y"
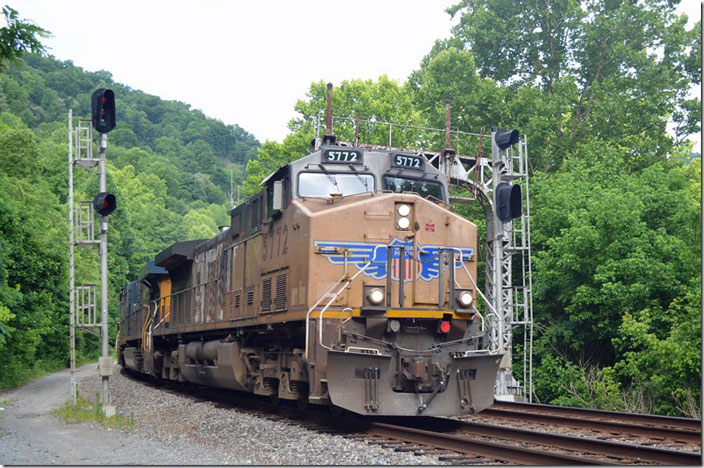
{"x": 81, "y": 220}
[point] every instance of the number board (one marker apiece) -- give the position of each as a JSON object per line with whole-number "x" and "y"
{"x": 408, "y": 161}
{"x": 342, "y": 156}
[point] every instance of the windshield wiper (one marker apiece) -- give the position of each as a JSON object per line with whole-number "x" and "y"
{"x": 330, "y": 176}
{"x": 364, "y": 182}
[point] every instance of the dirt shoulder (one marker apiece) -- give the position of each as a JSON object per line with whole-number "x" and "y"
{"x": 31, "y": 435}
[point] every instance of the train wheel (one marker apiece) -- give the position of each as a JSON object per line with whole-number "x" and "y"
{"x": 274, "y": 398}
{"x": 302, "y": 402}
{"x": 273, "y": 386}
{"x": 337, "y": 411}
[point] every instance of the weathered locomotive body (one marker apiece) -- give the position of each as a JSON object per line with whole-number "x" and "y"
{"x": 346, "y": 281}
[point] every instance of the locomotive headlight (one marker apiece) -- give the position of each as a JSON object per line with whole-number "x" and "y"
{"x": 464, "y": 299}
{"x": 403, "y": 222}
{"x": 403, "y": 210}
{"x": 403, "y": 216}
{"x": 375, "y": 296}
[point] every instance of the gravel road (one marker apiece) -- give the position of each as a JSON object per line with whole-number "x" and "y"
{"x": 169, "y": 429}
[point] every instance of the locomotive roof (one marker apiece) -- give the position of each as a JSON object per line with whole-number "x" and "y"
{"x": 373, "y": 160}
{"x": 151, "y": 269}
{"x": 177, "y": 253}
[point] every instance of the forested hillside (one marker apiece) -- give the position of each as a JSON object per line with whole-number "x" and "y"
{"x": 168, "y": 165}
{"x": 615, "y": 200}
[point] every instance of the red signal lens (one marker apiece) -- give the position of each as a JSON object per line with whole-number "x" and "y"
{"x": 444, "y": 326}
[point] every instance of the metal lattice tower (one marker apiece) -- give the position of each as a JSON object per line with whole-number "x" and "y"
{"x": 83, "y": 299}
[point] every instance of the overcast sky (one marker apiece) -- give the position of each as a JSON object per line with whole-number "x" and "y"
{"x": 244, "y": 62}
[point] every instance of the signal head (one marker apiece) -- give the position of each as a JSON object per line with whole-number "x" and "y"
{"x": 103, "y": 110}
{"x": 507, "y": 198}
{"x": 104, "y": 203}
{"x": 506, "y": 138}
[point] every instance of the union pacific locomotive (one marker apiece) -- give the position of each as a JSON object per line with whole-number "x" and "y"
{"x": 347, "y": 281}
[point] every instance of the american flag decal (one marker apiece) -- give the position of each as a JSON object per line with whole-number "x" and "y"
{"x": 430, "y": 227}
{"x": 407, "y": 262}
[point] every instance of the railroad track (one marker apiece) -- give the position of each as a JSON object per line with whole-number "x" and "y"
{"x": 458, "y": 442}
{"x": 572, "y": 449}
{"x": 651, "y": 427}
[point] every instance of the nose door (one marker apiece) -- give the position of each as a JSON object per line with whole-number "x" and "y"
{"x": 431, "y": 270}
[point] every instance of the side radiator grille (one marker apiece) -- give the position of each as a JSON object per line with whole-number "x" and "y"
{"x": 280, "y": 299}
{"x": 266, "y": 295}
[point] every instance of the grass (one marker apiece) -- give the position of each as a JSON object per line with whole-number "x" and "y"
{"x": 8, "y": 402}
{"x": 88, "y": 411}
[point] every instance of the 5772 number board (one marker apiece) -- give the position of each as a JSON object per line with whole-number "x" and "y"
{"x": 342, "y": 156}
{"x": 407, "y": 161}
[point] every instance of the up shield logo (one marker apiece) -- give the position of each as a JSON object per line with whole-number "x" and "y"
{"x": 359, "y": 254}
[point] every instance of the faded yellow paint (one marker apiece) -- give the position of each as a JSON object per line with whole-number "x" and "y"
{"x": 165, "y": 303}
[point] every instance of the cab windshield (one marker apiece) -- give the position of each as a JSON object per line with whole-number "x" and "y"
{"x": 315, "y": 184}
{"x": 424, "y": 188}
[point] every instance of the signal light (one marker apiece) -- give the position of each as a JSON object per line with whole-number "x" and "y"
{"x": 444, "y": 326}
{"x": 506, "y": 138}
{"x": 104, "y": 203}
{"x": 507, "y": 198}
{"x": 103, "y": 110}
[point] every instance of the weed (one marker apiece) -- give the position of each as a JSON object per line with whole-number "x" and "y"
{"x": 8, "y": 402}
{"x": 88, "y": 411}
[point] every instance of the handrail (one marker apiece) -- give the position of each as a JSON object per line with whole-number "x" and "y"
{"x": 148, "y": 334}
{"x": 320, "y": 317}
{"x": 168, "y": 314}
{"x": 473, "y": 282}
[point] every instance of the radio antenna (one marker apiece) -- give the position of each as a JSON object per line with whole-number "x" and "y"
{"x": 328, "y": 138}
{"x": 448, "y": 145}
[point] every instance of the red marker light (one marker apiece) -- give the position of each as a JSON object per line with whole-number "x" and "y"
{"x": 444, "y": 326}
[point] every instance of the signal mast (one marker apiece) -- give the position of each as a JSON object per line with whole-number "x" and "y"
{"x": 81, "y": 220}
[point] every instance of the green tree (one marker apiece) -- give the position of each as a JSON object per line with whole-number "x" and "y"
{"x": 615, "y": 257}
{"x": 18, "y": 37}
{"x": 611, "y": 70}
{"x": 377, "y": 101}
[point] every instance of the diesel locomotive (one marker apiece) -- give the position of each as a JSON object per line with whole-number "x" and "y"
{"x": 347, "y": 281}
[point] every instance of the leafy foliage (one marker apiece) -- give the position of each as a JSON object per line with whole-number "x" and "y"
{"x": 169, "y": 167}
{"x": 18, "y": 37}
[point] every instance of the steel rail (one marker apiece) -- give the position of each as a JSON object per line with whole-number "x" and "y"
{"x": 500, "y": 451}
{"x": 603, "y": 447}
{"x": 625, "y": 428}
{"x": 636, "y": 418}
